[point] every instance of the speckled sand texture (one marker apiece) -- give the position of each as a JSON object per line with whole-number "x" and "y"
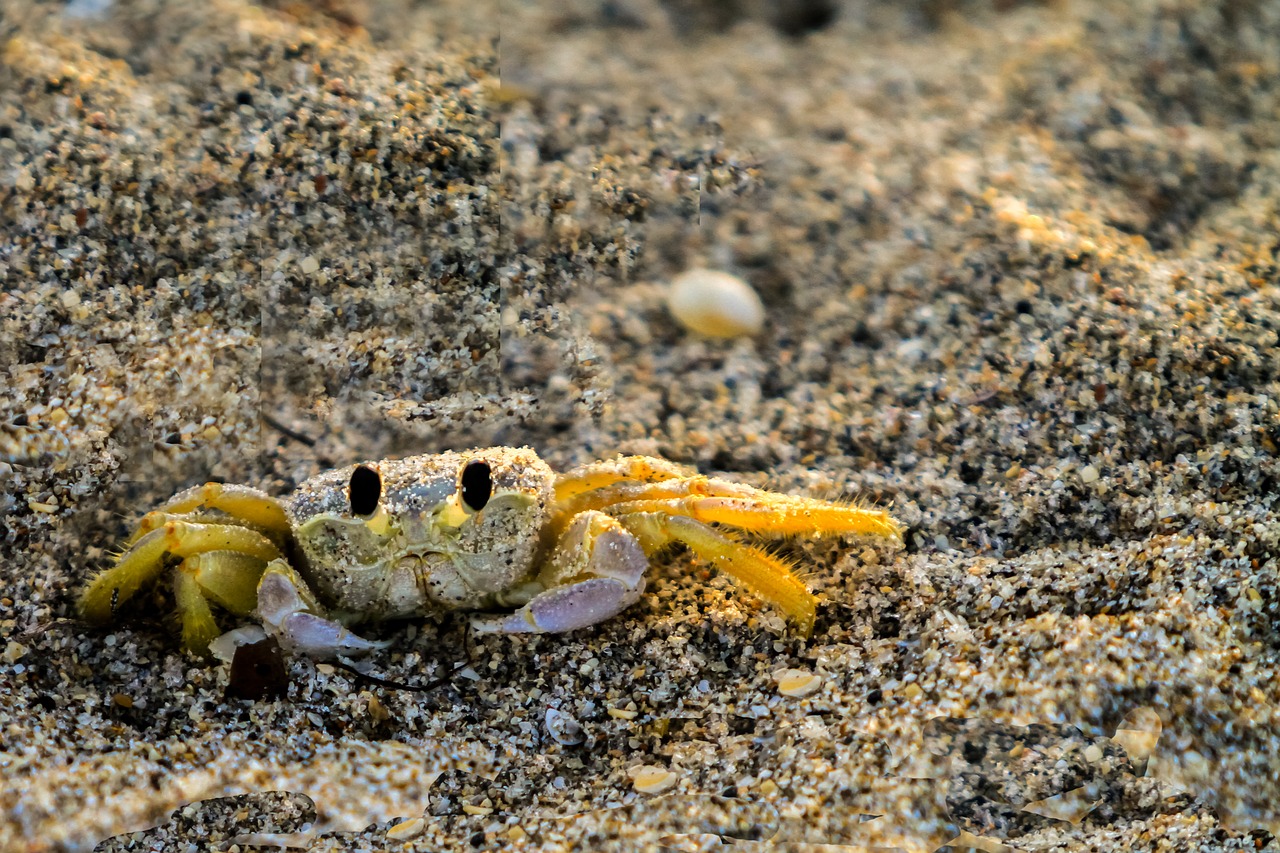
{"x": 1020, "y": 270}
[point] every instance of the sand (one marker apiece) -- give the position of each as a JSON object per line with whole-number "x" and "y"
{"x": 1019, "y": 266}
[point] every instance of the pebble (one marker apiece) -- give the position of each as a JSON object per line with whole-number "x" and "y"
{"x": 13, "y": 652}
{"x": 715, "y": 304}
{"x": 563, "y": 728}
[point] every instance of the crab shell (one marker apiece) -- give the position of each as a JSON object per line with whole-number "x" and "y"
{"x": 423, "y": 549}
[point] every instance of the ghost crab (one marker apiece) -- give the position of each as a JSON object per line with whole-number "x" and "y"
{"x": 483, "y": 529}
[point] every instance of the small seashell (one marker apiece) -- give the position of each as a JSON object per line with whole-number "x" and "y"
{"x": 406, "y": 829}
{"x": 224, "y": 647}
{"x": 652, "y": 779}
{"x": 715, "y": 304}
{"x": 797, "y": 682}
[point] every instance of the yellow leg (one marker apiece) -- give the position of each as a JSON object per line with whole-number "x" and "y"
{"x": 229, "y": 578}
{"x": 597, "y": 475}
{"x": 135, "y": 568}
{"x": 661, "y": 503}
{"x": 199, "y": 628}
{"x": 249, "y": 506}
{"x": 624, "y": 481}
{"x": 206, "y": 566}
{"x": 221, "y": 537}
{"x": 735, "y": 503}
{"x": 767, "y": 576}
{"x": 184, "y": 538}
{"x": 721, "y": 501}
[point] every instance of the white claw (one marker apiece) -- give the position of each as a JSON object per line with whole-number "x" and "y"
{"x": 278, "y": 599}
{"x": 284, "y": 615}
{"x": 565, "y": 608}
{"x": 322, "y": 638}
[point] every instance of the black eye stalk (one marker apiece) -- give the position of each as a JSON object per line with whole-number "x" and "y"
{"x": 477, "y": 485}
{"x": 365, "y": 490}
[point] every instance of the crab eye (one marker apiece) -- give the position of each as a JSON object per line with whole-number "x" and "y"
{"x": 365, "y": 489}
{"x": 477, "y": 485}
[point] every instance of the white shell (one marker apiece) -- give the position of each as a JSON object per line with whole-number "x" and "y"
{"x": 405, "y": 829}
{"x": 797, "y": 682}
{"x": 715, "y": 304}
{"x": 652, "y": 779}
{"x": 224, "y": 647}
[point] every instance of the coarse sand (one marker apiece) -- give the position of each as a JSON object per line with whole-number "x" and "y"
{"x": 1020, "y": 274}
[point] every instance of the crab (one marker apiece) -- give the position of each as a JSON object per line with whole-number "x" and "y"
{"x": 490, "y": 529}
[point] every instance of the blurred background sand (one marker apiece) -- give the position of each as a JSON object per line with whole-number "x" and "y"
{"x": 1019, "y": 265}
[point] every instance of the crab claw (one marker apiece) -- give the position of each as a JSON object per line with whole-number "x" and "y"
{"x": 286, "y": 615}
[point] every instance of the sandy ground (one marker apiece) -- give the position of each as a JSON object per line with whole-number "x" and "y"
{"x": 1020, "y": 269}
